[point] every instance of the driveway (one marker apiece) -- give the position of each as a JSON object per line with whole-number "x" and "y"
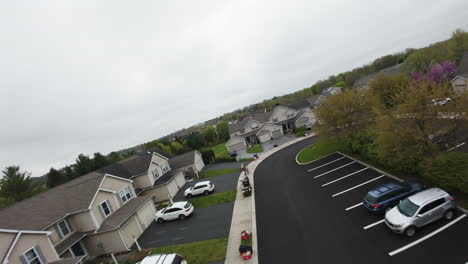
{"x": 222, "y": 183}
{"x": 241, "y": 154}
{"x": 206, "y": 223}
{"x": 322, "y": 220}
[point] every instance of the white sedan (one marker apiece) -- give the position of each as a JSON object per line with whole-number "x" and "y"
{"x": 179, "y": 210}
{"x": 204, "y": 187}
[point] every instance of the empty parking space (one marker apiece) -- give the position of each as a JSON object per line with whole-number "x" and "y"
{"x": 347, "y": 181}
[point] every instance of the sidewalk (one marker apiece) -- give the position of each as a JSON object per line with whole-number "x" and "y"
{"x": 243, "y": 216}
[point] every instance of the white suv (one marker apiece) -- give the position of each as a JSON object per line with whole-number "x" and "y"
{"x": 179, "y": 210}
{"x": 163, "y": 259}
{"x": 204, "y": 187}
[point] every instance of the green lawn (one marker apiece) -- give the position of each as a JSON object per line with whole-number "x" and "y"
{"x": 213, "y": 173}
{"x": 213, "y": 199}
{"x": 317, "y": 150}
{"x": 201, "y": 252}
{"x": 220, "y": 150}
{"x": 255, "y": 149}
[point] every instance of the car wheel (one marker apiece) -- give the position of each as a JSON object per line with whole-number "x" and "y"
{"x": 206, "y": 192}
{"x": 181, "y": 217}
{"x": 189, "y": 195}
{"x": 160, "y": 220}
{"x": 410, "y": 231}
{"x": 448, "y": 215}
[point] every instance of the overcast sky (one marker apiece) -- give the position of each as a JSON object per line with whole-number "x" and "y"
{"x": 96, "y": 76}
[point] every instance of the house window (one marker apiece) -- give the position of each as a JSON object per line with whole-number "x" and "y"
{"x": 288, "y": 115}
{"x": 155, "y": 173}
{"x": 164, "y": 168}
{"x": 242, "y": 131}
{"x": 105, "y": 208}
{"x": 275, "y": 120}
{"x": 63, "y": 228}
{"x": 32, "y": 257}
{"x": 254, "y": 126}
{"x": 125, "y": 195}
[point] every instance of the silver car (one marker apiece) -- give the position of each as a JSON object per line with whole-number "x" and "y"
{"x": 419, "y": 210}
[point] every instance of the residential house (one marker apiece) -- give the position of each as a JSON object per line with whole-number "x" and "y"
{"x": 265, "y": 126}
{"x": 151, "y": 173}
{"x": 190, "y": 163}
{"x": 364, "y": 82}
{"x": 460, "y": 81}
{"x": 95, "y": 214}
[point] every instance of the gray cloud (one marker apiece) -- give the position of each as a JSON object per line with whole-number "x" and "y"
{"x": 87, "y": 76}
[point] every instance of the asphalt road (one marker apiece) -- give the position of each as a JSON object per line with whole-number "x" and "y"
{"x": 206, "y": 223}
{"x": 299, "y": 220}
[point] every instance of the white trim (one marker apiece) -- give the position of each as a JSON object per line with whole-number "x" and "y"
{"x": 60, "y": 230}
{"x": 155, "y": 153}
{"x": 106, "y": 190}
{"x": 12, "y": 246}
{"x": 458, "y": 76}
{"x": 53, "y": 247}
{"x": 94, "y": 219}
{"x": 108, "y": 207}
{"x": 25, "y": 231}
{"x": 97, "y": 191}
{"x": 71, "y": 251}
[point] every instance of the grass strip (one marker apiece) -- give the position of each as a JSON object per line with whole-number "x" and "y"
{"x": 317, "y": 150}
{"x": 213, "y": 173}
{"x": 213, "y": 199}
{"x": 255, "y": 149}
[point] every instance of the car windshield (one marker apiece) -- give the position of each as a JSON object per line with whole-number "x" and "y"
{"x": 187, "y": 205}
{"x": 371, "y": 199}
{"x": 407, "y": 207}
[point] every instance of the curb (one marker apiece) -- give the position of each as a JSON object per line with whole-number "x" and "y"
{"x": 297, "y": 161}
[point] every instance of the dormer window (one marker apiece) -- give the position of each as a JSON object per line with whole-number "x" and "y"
{"x": 63, "y": 228}
{"x": 106, "y": 208}
{"x": 155, "y": 173}
{"x": 254, "y": 126}
{"x": 242, "y": 131}
{"x": 164, "y": 168}
{"x": 274, "y": 120}
{"x": 125, "y": 195}
{"x": 288, "y": 115}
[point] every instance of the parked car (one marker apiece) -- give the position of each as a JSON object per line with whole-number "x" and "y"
{"x": 419, "y": 210}
{"x": 386, "y": 196}
{"x": 163, "y": 259}
{"x": 179, "y": 210}
{"x": 204, "y": 187}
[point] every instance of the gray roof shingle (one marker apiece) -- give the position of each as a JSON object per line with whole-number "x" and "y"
{"x": 118, "y": 217}
{"x": 166, "y": 177}
{"x": 182, "y": 160}
{"x": 44, "y": 209}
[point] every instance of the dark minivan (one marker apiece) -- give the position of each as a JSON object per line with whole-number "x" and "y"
{"x": 386, "y": 196}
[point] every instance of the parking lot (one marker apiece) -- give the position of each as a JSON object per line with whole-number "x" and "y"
{"x": 347, "y": 181}
{"x": 313, "y": 214}
{"x": 206, "y": 223}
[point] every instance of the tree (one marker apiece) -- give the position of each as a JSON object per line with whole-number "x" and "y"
{"x": 113, "y": 157}
{"x": 209, "y": 133}
{"x": 83, "y": 164}
{"x": 458, "y": 44}
{"x": 344, "y": 115}
{"x": 177, "y": 148}
{"x": 222, "y": 128}
{"x": 196, "y": 141}
{"x": 16, "y": 185}
{"x": 387, "y": 88}
{"x": 100, "y": 161}
{"x": 54, "y": 178}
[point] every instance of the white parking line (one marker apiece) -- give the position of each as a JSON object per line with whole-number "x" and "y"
{"x": 354, "y": 206}
{"x": 344, "y": 177}
{"x": 333, "y": 169}
{"x": 373, "y": 224}
{"x": 426, "y": 236}
{"x": 359, "y": 185}
{"x": 459, "y": 145}
{"x": 326, "y": 164}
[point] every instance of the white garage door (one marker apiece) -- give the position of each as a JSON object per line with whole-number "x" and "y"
{"x": 277, "y": 133}
{"x": 131, "y": 232}
{"x": 147, "y": 214}
{"x": 172, "y": 187}
{"x": 265, "y": 137}
{"x": 180, "y": 179}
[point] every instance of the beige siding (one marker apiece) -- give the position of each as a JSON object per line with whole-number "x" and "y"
{"x": 152, "y": 167}
{"x": 131, "y": 231}
{"x": 264, "y": 136}
{"x": 55, "y": 237}
{"x": 114, "y": 184}
{"x": 101, "y": 197}
{"x": 143, "y": 181}
{"x": 199, "y": 164}
{"x": 5, "y": 241}
{"x": 82, "y": 221}
{"x": 179, "y": 180}
{"x": 235, "y": 144}
{"x": 146, "y": 214}
{"x": 158, "y": 159}
{"x": 280, "y": 113}
{"x": 460, "y": 84}
{"x": 111, "y": 241}
{"x": 307, "y": 118}
{"x": 28, "y": 241}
